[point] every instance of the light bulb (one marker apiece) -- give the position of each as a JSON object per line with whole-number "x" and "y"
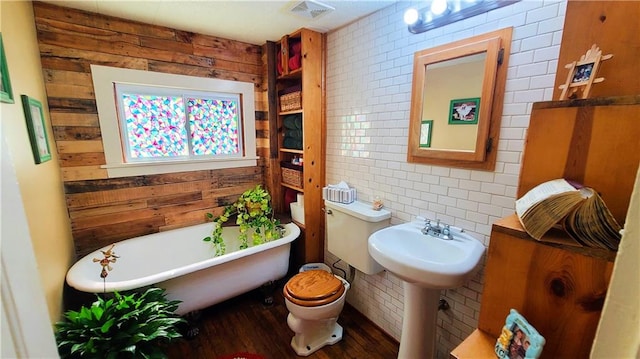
{"x": 438, "y": 7}
{"x": 411, "y": 16}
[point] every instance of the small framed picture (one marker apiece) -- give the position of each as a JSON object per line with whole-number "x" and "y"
{"x": 425, "y": 133}
{"x": 34, "y": 115}
{"x": 518, "y": 340}
{"x": 582, "y": 73}
{"x": 464, "y": 111}
{"x": 6, "y": 94}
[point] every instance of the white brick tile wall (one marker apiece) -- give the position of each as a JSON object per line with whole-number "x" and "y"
{"x": 369, "y": 74}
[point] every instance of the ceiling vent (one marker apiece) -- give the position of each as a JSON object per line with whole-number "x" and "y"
{"x": 311, "y": 9}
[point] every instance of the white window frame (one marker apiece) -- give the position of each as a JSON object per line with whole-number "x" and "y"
{"x": 104, "y": 80}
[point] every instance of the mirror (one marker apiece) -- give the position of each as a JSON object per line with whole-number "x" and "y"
{"x": 456, "y": 101}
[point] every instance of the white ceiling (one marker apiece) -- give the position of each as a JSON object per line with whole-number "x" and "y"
{"x": 252, "y": 21}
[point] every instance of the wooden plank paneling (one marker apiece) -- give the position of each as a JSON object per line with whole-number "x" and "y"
{"x": 79, "y": 146}
{"x": 65, "y": 27}
{"x": 118, "y": 48}
{"x": 69, "y": 133}
{"x": 80, "y": 200}
{"x": 83, "y": 173}
{"x": 62, "y": 58}
{"x": 67, "y": 77}
{"x": 72, "y": 105}
{"x": 226, "y": 49}
{"x": 104, "y": 210}
{"x": 183, "y": 69}
{"x": 74, "y": 119}
{"x": 81, "y": 159}
{"x": 113, "y": 207}
{"x": 89, "y": 239}
{"x": 79, "y": 17}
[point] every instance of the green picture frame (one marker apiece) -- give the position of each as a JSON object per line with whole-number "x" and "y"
{"x": 6, "y": 93}
{"x": 464, "y": 111}
{"x": 34, "y": 115}
{"x": 426, "y": 129}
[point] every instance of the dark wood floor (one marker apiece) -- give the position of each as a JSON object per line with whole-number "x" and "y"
{"x": 245, "y": 324}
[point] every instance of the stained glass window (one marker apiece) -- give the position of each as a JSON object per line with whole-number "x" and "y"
{"x": 219, "y": 137}
{"x": 160, "y": 124}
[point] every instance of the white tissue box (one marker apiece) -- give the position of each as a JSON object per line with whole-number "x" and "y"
{"x": 297, "y": 212}
{"x": 340, "y": 195}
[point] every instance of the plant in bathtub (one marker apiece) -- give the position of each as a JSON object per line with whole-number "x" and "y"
{"x": 253, "y": 212}
{"x": 131, "y": 325}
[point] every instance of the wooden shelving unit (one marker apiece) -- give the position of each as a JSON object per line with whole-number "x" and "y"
{"x": 559, "y": 288}
{"x": 309, "y": 80}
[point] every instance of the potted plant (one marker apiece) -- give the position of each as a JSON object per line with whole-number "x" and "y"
{"x": 132, "y": 325}
{"x": 253, "y": 212}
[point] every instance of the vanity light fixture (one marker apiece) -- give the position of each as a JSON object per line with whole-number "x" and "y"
{"x": 442, "y": 12}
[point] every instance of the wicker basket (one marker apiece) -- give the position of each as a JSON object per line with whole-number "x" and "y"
{"x": 292, "y": 177}
{"x": 291, "y": 101}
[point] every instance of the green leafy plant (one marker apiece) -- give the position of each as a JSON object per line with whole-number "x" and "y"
{"x": 253, "y": 212}
{"x": 131, "y": 325}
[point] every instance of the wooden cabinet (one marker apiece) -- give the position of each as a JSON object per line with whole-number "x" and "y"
{"x": 296, "y": 91}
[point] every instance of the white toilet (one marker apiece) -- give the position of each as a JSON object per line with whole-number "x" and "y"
{"x": 315, "y": 297}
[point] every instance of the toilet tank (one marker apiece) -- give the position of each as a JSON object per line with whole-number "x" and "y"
{"x": 348, "y": 227}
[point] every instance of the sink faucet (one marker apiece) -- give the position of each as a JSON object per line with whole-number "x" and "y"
{"x": 437, "y": 230}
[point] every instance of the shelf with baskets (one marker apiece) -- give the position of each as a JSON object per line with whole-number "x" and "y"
{"x": 297, "y": 87}
{"x": 291, "y": 175}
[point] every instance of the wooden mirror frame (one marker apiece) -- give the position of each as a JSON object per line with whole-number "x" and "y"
{"x": 497, "y": 45}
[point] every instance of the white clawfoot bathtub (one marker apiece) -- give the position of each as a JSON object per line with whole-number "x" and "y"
{"x": 182, "y": 263}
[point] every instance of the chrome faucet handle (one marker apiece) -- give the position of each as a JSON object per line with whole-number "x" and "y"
{"x": 446, "y": 232}
{"x": 427, "y": 226}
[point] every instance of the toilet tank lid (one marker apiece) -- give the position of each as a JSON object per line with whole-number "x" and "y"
{"x": 360, "y": 210}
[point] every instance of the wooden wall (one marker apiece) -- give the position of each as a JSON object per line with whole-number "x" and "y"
{"x": 104, "y": 210}
{"x": 611, "y": 25}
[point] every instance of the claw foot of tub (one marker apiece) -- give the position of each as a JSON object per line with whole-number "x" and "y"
{"x": 268, "y": 290}
{"x": 192, "y": 326}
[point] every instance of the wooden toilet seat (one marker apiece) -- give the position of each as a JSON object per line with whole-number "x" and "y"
{"x": 313, "y": 288}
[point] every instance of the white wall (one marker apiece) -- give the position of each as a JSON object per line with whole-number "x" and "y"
{"x": 40, "y": 184}
{"x": 621, "y": 312}
{"x": 369, "y": 73}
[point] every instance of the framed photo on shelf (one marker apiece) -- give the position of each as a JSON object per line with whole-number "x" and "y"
{"x": 518, "y": 340}
{"x": 34, "y": 115}
{"x": 425, "y": 133}
{"x": 464, "y": 111}
{"x": 582, "y": 73}
{"x": 6, "y": 93}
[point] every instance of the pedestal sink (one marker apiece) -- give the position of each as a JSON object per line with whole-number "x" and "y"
{"x": 426, "y": 264}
